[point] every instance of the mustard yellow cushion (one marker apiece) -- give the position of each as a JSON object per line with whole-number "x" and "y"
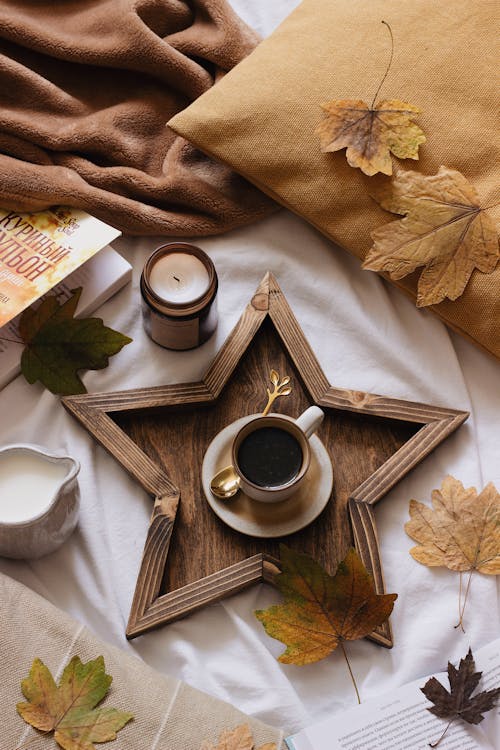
{"x": 261, "y": 117}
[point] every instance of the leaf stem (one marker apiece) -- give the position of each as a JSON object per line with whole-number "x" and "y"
{"x": 388, "y": 66}
{"x": 459, "y": 599}
{"x": 435, "y": 744}
{"x": 350, "y": 670}
{"x": 461, "y": 607}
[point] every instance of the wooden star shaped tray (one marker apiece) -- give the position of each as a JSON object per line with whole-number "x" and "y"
{"x": 159, "y": 435}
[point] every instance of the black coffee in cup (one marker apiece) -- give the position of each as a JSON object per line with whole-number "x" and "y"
{"x": 270, "y": 457}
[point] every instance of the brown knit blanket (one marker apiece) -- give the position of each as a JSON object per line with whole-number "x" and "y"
{"x": 86, "y": 87}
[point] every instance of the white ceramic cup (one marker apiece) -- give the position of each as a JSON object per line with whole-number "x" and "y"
{"x": 44, "y": 531}
{"x": 301, "y": 428}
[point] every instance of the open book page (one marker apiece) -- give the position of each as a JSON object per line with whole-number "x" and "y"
{"x": 38, "y": 250}
{"x": 100, "y": 277}
{"x": 400, "y": 720}
{"x": 489, "y": 662}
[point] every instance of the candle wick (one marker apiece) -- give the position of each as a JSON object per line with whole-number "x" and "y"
{"x": 175, "y": 277}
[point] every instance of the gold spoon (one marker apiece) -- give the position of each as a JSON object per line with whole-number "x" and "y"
{"x": 226, "y": 482}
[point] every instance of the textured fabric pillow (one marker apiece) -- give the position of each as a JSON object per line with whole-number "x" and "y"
{"x": 168, "y": 713}
{"x": 261, "y": 118}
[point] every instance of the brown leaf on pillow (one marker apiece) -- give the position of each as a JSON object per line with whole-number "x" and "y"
{"x": 370, "y": 134}
{"x": 444, "y": 229}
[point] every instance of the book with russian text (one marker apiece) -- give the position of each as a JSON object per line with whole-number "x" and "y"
{"x": 38, "y": 250}
{"x": 400, "y": 720}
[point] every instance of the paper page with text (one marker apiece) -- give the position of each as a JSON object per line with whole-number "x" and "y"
{"x": 400, "y": 720}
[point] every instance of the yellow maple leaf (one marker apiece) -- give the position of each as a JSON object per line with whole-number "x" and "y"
{"x": 371, "y": 134}
{"x": 444, "y": 229}
{"x": 461, "y": 532}
{"x": 239, "y": 738}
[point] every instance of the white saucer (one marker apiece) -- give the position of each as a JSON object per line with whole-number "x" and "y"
{"x": 268, "y": 520}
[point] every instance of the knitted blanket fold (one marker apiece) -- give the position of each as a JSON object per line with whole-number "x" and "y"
{"x": 163, "y": 707}
{"x": 86, "y": 89}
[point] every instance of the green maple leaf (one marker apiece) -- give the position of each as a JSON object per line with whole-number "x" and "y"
{"x": 69, "y": 709}
{"x": 57, "y": 345}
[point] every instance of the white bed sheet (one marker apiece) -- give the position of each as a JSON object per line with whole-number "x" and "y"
{"x": 368, "y": 336}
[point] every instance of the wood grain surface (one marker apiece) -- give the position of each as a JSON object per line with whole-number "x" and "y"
{"x": 191, "y": 558}
{"x": 177, "y": 439}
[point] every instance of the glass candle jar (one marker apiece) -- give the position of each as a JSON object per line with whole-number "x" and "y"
{"x": 179, "y": 296}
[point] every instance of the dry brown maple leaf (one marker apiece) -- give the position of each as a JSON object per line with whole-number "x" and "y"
{"x": 461, "y": 532}
{"x": 458, "y": 702}
{"x": 239, "y": 738}
{"x": 370, "y": 134}
{"x": 444, "y": 229}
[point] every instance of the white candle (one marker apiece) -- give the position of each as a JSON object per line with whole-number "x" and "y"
{"x": 179, "y": 278}
{"x": 28, "y": 484}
